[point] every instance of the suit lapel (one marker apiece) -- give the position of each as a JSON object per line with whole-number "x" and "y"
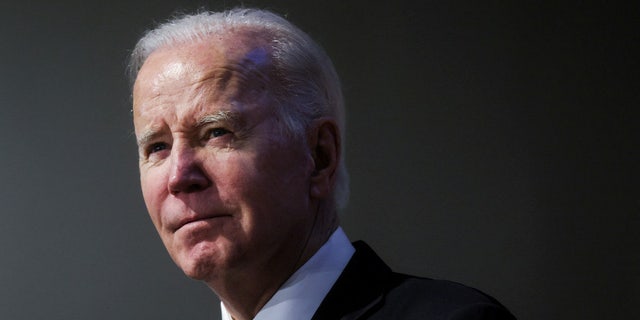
{"x": 359, "y": 289}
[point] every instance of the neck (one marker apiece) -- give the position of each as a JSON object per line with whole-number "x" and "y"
{"x": 244, "y": 292}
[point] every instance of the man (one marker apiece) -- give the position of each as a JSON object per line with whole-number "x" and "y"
{"x": 239, "y": 119}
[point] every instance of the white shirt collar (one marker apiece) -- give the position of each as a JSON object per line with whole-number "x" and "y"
{"x": 301, "y": 295}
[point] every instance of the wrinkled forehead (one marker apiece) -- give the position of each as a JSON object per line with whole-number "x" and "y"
{"x": 243, "y": 55}
{"x": 234, "y": 66}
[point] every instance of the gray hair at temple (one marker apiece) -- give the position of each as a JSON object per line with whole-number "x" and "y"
{"x": 308, "y": 85}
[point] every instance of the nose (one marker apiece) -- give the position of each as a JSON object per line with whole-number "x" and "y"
{"x": 187, "y": 174}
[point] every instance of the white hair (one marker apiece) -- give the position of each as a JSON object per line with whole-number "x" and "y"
{"x": 307, "y": 87}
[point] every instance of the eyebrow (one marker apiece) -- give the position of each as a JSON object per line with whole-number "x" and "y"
{"x": 218, "y": 117}
{"x": 147, "y": 137}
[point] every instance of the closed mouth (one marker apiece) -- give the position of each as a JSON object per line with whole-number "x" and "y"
{"x": 189, "y": 221}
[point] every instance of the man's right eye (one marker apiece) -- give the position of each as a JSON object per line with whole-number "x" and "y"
{"x": 156, "y": 147}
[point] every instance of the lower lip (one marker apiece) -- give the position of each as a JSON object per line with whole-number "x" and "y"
{"x": 202, "y": 222}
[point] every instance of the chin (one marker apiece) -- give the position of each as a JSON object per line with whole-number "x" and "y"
{"x": 199, "y": 262}
{"x": 199, "y": 272}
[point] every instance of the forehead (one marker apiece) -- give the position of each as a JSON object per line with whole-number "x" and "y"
{"x": 246, "y": 53}
{"x": 235, "y": 66}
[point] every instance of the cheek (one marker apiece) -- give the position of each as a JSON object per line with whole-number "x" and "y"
{"x": 153, "y": 187}
{"x": 233, "y": 177}
{"x": 284, "y": 169}
{"x": 268, "y": 181}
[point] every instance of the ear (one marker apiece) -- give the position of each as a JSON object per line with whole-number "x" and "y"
{"x": 325, "y": 144}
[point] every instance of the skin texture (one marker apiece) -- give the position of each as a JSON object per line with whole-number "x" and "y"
{"x": 237, "y": 203}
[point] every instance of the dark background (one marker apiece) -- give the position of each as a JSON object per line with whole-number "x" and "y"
{"x": 488, "y": 143}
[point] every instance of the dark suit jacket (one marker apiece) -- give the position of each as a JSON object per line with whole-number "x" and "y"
{"x": 368, "y": 289}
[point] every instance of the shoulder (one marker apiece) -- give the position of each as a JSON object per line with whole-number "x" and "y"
{"x": 410, "y": 297}
{"x": 369, "y": 289}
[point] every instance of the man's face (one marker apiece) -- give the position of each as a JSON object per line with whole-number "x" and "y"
{"x": 225, "y": 188}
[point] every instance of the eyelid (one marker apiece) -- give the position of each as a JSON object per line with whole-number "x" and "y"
{"x": 147, "y": 149}
{"x": 152, "y": 146}
{"x": 222, "y": 119}
{"x": 207, "y": 133}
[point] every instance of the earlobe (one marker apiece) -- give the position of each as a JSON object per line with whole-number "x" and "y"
{"x": 324, "y": 141}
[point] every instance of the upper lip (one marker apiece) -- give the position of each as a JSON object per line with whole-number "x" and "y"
{"x": 195, "y": 218}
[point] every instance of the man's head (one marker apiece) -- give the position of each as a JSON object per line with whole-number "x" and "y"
{"x": 238, "y": 117}
{"x": 306, "y": 84}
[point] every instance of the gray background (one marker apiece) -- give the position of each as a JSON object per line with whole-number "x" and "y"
{"x": 491, "y": 144}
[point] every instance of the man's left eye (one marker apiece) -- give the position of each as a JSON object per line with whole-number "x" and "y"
{"x": 217, "y": 132}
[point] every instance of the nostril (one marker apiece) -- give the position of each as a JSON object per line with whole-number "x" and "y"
{"x": 194, "y": 188}
{"x": 189, "y": 184}
{"x": 188, "y": 179}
